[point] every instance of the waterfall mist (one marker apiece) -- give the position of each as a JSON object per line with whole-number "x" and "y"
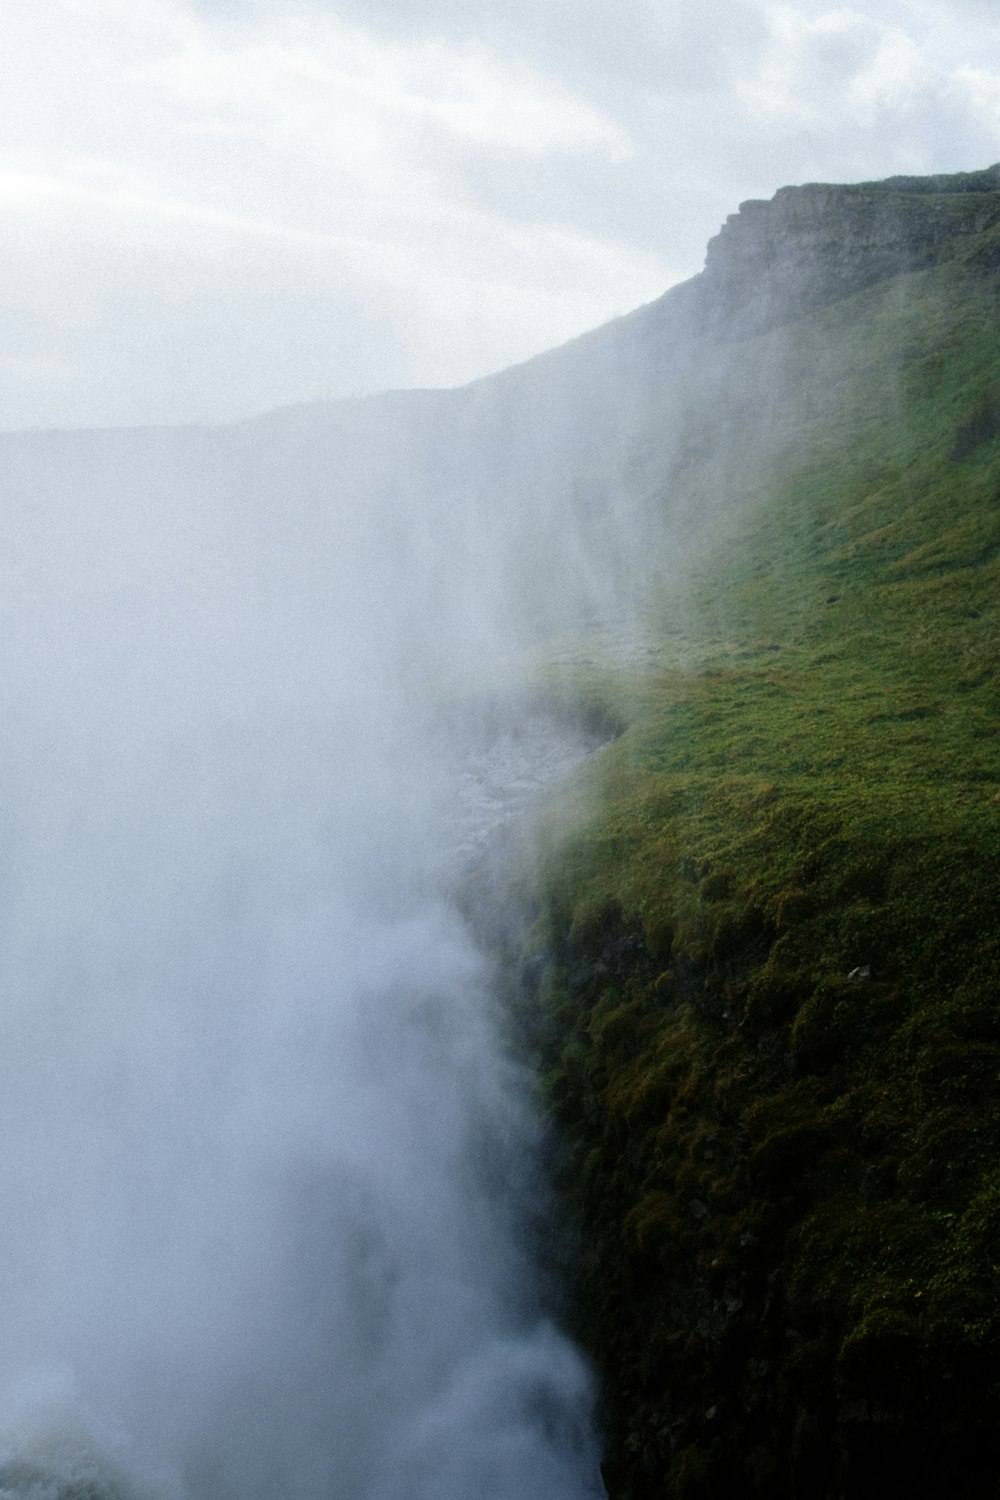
{"x": 267, "y": 1166}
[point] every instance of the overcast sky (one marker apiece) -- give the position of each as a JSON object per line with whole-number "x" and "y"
{"x": 211, "y": 207}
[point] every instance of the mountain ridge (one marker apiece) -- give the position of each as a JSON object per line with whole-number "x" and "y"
{"x": 760, "y": 988}
{"x": 762, "y": 985}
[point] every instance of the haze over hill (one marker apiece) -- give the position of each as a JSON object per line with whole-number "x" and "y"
{"x": 762, "y": 987}
{"x": 272, "y": 1164}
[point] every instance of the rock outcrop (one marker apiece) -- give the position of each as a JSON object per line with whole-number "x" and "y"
{"x": 809, "y": 246}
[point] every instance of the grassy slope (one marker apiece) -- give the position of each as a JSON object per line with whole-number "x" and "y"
{"x": 790, "y": 1180}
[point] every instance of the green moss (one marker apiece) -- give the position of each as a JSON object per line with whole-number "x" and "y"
{"x": 772, "y": 1024}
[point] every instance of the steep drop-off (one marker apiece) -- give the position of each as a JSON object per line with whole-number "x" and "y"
{"x": 763, "y": 983}
{"x": 754, "y": 526}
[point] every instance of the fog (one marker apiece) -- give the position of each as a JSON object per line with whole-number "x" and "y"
{"x": 270, "y": 1178}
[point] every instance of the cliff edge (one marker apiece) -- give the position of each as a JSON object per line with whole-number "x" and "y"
{"x": 809, "y": 246}
{"x": 762, "y": 985}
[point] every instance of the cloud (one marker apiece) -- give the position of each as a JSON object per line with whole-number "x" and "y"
{"x": 839, "y": 60}
{"x": 468, "y": 182}
{"x": 981, "y": 89}
{"x": 40, "y": 368}
{"x": 643, "y": 44}
{"x": 356, "y": 99}
{"x": 294, "y": 166}
{"x": 219, "y": 310}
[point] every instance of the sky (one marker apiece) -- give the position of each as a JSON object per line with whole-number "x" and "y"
{"x": 209, "y": 208}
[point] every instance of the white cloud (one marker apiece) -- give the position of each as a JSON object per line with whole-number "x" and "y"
{"x": 981, "y": 88}
{"x": 372, "y": 87}
{"x": 363, "y": 106}
{"x": 298, "y": 164}
{"x": 833, "y": 64}
{"x": 457, "y": 185}
{"x": 866, "y": 91}
{"x": 40, "y": 368}
{"x": 894, "y": 74}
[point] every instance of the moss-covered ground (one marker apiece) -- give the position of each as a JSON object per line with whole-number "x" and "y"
{"x": 763, "y": 986}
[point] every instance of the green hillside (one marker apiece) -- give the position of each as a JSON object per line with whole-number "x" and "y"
{"x": 763, "y": 986}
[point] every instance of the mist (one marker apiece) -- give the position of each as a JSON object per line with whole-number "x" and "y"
{"x": 271, "y": 1172}
{"x": 274, "y": 695}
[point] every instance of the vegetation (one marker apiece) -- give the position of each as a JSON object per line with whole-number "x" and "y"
{"x": 762, "y": 986}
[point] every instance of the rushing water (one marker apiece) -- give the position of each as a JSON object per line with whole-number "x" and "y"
{"x": 266, "y": 1167}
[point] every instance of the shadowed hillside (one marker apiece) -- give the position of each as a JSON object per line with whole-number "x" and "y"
{"x": 753, "y": 531}
{"x": 764, "y": 981}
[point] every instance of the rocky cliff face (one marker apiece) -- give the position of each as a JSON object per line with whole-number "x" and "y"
{"x": 809, "y": 246}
